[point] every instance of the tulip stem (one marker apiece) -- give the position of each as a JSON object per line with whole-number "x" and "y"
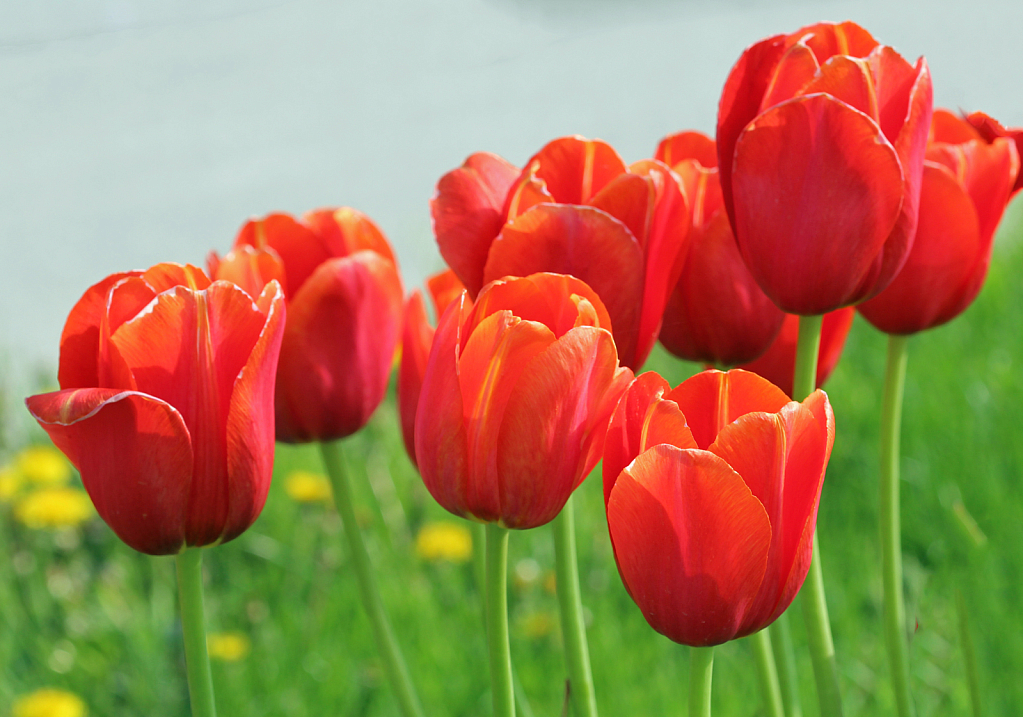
{"x": 767, "y": 672}
{"x": 969, "y": 654}
{"x": 701, "y": 671}
{"x": 573, "y": 628}
{"x": 785, "y": 660}
{"x": 193, "y": 629}
{"x": 394, "y": 663}
{"x": 497, "y": 621}
{"x": 891, "y": 543}
{"x": 815, "y": 604}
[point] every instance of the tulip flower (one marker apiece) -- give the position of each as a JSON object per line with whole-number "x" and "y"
{"x": 166, "y": 404}
{"x": 417, "y": 338}
{"x": 345, "y": 302}
{"x": 777, "y": 364}
{"x": 821, "y": 138}
{"x": 716, "y": 314}
{"x": 575, "y": 208}
{"x": 968, "y": 180}
{"x": 516, "y": 395}
{"x": 712, "y": 492}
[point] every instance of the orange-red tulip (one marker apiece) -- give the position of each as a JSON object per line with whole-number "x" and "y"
{"x": 778, "y": 363}
{"x": 166, "y": 406}
{"x": 516, "y": 397}
{"x": 417, "y": 338}
{"x": 575, "y": 208}
{"x": 968, "y": 180}
{"x": 821, "y": 138}
{"x": 345, "y": 304}
{"x": 716, "y": 314}
{"x": 712, "y": 492}
{"x": 990, "y": 129}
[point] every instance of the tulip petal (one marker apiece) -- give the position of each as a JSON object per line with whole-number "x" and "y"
{"x": 135, "y": 458}
{"x": 586, "y": 243}
{"x": 675, "y": 148}
{"x": 497, "y": 352}
{"x": 642, "y": 420}
{"x": 629, "y": 198}
{"x": 468, "y": 212}
{"x": 344, "y": 231}
{"x": 442, "y": 452}
{"x": 299, "y": 247}
{"x": 931, "y": 287}
{"x": 168, "y": 275}
{"x": 343, "y": 326}
{"x": 843, "y": 38}
{"x": 417, "y": 338}
{"x": 444, "y": 289}
{"x": 250, "y": 420}
{"x": 526, "y": 192}
{"x": 84, "y": 343}
{"x": 796, "y": 68}
{"x": 817, "y": 192}
{"x": 691, "y": 543}
{"x": 575, "y": 169}
{"x": 249, "y": 267}
{"x": 558, "y": 408}
{"x": 781, "y": 457}
{"x": 712, "y": 399}
{"x": 849, "y": 80}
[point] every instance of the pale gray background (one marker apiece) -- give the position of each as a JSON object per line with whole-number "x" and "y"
{"x": 136, "y": 132}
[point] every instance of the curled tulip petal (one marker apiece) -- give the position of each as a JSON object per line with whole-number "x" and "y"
{"x": 691, "y": 542}
{"x": 299, "y": 247}
{"x": 641, "y": 420}
{"x": 687, "y": 145}
{"x": 468, "y": 211}
{"x": 417, "y": 337}
{"x": 585, "y": 243}
{"x": 134, "y": 454}
{"x": 343, "y": 326}
{"x": 575, "y": 169}
{"x": 817, "y": 144}
{"x": 250, "y": 268}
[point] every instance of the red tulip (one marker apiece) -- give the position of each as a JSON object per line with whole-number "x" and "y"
{"x": 712, "y": 491}
{"x": 417, "y": 338}
{"x": 990, "y": 129}
{"x": 778, "y": 363}
{"x": 344, "y": 315}
{"x": 166, "y": 406}
{"x": 716, "y": 314}
{"x": 516, "y": 396}
{"x": 968, "y": 180}
{"x": 576, "y": 209}
{"x": 821, "y": 138}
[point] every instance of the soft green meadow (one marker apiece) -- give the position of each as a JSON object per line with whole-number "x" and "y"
{"x": 82, "y": 612}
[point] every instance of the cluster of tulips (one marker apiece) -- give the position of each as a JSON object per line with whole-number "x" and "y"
{"x": 832, "y": 186}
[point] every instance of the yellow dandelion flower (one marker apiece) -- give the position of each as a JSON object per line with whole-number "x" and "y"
{"x": 10, "y": 483}
{"x": 54, "y": 508}
{"x": 44, "y": 465}
{"x": 228, "y": 646}
{"x": 49, "y": 703}
{"x": 443, "y": 540}
{"x": 306, "y": 487}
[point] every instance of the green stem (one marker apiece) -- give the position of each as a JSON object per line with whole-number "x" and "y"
{"x": 969, "y": 654}
{"x": 767, "y": 672}
{"x": 193, "y": 628}
{"x": 497, "y": 621}
{"x": 701, "y": 670}
{"x": 891, "y": 543}
{"x": 785, "y": 660}
{"x": 394, "y": 663}
{"x": 479, "y": 569}
{"x": 573, "y": 628}
{"x": 815, "y": 604}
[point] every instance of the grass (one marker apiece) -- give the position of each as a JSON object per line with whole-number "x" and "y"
{"x": 80, "y": 611}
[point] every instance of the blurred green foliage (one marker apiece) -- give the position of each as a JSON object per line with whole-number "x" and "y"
{"x": 80, "y": 611}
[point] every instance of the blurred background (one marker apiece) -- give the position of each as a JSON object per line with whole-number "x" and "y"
{"x": 136, "y": 132}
